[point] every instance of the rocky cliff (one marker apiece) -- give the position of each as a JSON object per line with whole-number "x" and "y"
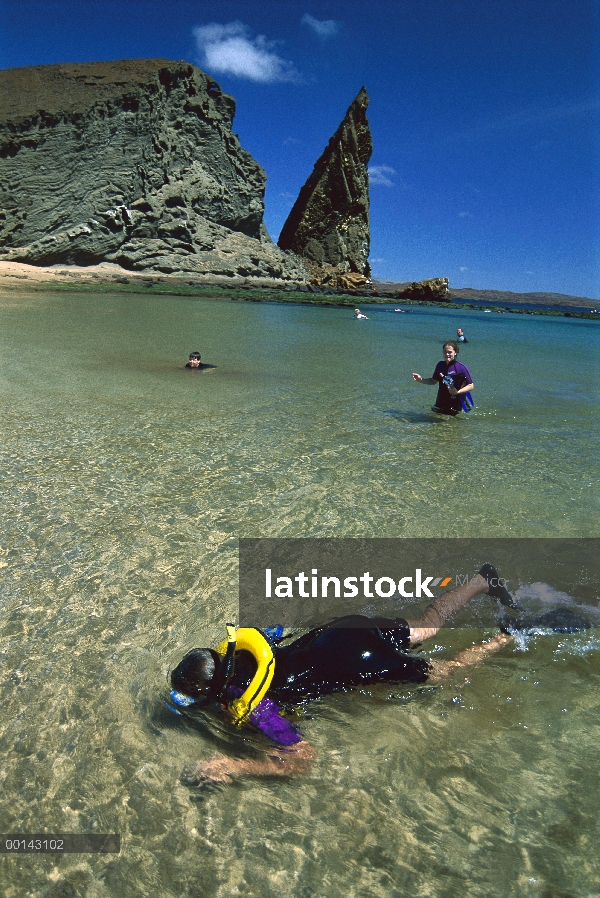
{"x": 329, "y": 223}
{"x": 132, "y": 162}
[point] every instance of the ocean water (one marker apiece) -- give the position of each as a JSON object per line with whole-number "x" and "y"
{"x": 126, "y": 482}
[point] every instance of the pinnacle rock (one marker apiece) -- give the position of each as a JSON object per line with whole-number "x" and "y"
{"x": 329, "y": 222}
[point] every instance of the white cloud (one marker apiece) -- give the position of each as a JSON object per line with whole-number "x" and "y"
{"x": 463, "y": 268}
{"x": 380, "y": 174}
{"x": 324, "y": 29}
{"x": 232, "y": 50}
{"x": 465, "y": 215}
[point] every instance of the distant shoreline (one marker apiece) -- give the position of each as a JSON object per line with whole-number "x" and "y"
{"x": 506, "y": 297}
{"x": 107, "y": 277}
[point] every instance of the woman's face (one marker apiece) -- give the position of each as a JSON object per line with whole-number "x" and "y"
{"x": 449, "y": 353}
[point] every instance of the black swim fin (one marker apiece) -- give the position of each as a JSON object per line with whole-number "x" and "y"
{"x": 560, "y": 620}
{"x": 496, "y": 587}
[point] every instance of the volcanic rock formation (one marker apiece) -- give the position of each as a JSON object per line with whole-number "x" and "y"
{"x": 433, "y": 289}
{"x": 329, "y": 223}
{"x": 132, "y": 162}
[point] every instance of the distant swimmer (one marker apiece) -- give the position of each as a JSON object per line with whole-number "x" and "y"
{"x": 460, "y": 337}
{"x": 196, "y": 363}
{"x": 454, "y": 383}
{"x": 194, "y": 360}
{"x": 358, "y": 314}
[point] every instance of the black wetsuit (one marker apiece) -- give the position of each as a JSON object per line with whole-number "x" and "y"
{"x": 349, "y": 652}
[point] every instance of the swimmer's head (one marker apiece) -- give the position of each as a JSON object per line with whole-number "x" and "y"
{"x": 194, "y": 673}
{"x": 195, "y": 355}
{"x": 452, "y": 344}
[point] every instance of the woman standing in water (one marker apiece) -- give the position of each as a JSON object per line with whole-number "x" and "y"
{"x": 454, "y": 381}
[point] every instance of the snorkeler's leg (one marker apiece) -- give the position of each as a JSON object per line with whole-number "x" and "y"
{"x": 468, "y": 657}
{"x": 279, "y": 762}
{"x": 444, "y": 607}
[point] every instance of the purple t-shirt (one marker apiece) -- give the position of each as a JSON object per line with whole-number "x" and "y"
{"x": 454, "y": 368}
{"x": 267, "y": 718}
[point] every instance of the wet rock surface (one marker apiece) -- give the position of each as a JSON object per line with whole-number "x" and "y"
{"x": 132, "y": 162}
{"x": 329, "y": 222}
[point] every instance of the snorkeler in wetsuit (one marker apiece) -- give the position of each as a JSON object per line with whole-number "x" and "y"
{"x": 348, "y": 652}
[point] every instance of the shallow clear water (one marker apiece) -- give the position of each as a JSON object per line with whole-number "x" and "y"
{"x": 126, "y": 482}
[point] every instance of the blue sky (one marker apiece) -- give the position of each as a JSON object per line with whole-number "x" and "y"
{"x": 484, "y": 114}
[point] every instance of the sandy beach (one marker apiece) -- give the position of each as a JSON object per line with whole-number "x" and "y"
{"x": 20, "y": 275}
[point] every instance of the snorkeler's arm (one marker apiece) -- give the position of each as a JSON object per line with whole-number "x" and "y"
{"x": 468, "y": 657}
{"x": 279, "y": 762}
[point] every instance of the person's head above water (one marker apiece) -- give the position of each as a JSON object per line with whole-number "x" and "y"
{"x": 194, "y": 360}
{"x": 194, "y": 673}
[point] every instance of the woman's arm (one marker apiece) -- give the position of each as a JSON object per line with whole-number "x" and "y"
{"x": 467, "y": 389}
{"x": 423, "y": 380}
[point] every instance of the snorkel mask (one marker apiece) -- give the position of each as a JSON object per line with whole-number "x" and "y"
{"x": 224, "y": 670}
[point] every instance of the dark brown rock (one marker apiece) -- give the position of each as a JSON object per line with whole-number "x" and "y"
{"x": 132, "y": 162}
{"x": 329, "y": 223}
